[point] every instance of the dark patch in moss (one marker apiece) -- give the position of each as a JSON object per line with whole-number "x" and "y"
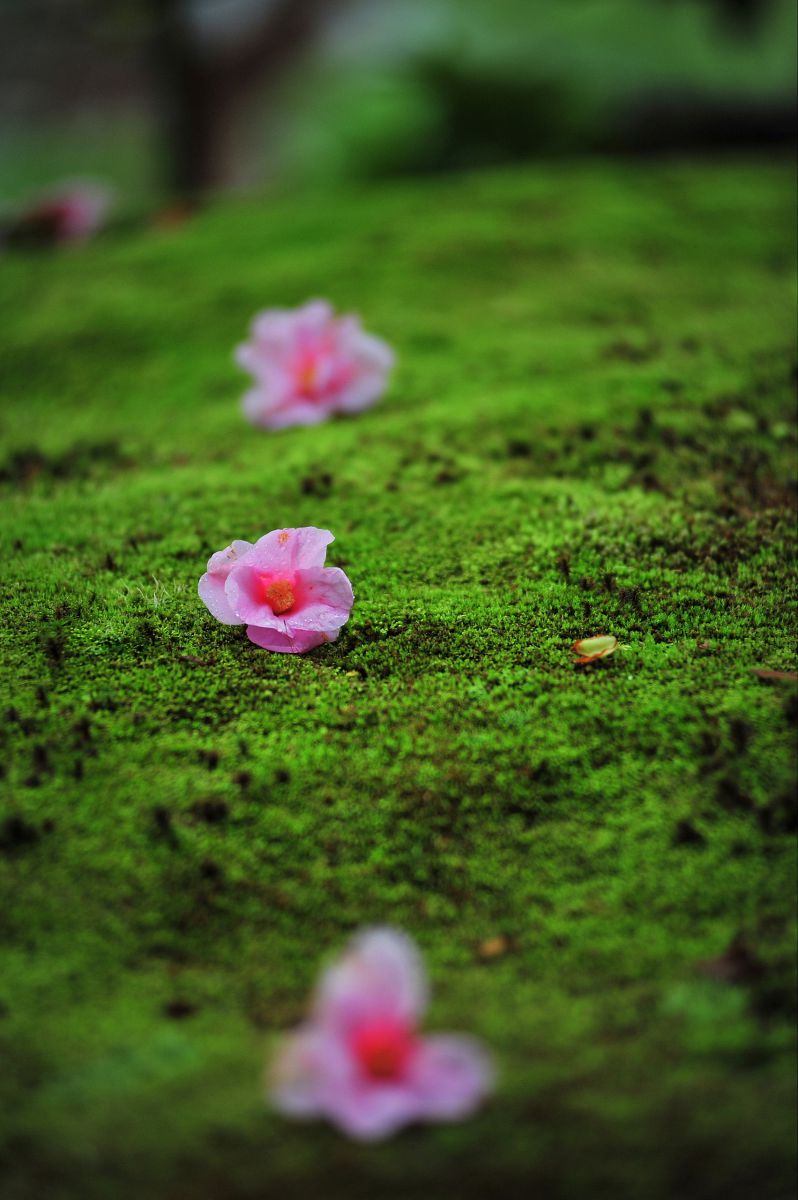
{"x": 644, "y": 424}
{"x": 623, "y": 350}
{"x": 143, "y": 538}
{"x": 24, "y": 467}
{"x": 212, "y": 810}
{"x": 631, "y": 597}
{"x": 686, "y": 834}
{"x": 738, "y": 964}
{"x": 41, "y": 759}
{"x": 163, "y": 826}
{"x": 730, "y": 795}
{"x": 179, "y": 1010}
{"x": 54, "y": 646}
{"x": 319, "y": 483}
{"x": 779, "y": 814}
{"x": 17, "y": 833}
{"x": 82, "y": 730}
{"x": 741, "y": 733}
{"x": 446, "y": 475}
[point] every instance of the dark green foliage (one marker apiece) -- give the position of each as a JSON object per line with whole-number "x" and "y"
{"x": 590, "y": 430}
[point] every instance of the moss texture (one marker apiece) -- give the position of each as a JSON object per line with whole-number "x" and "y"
{"x": 590, "y": 430}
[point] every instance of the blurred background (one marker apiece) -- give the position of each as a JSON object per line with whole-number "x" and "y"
{"x": 173, "y": 100}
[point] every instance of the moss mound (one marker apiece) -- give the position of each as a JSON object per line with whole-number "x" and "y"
{"x": 590, "y": 431}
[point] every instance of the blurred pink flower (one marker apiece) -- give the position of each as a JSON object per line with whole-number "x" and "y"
{"x": 68, "y": 212}
{"x": 280, "y": 589}
{"x": 360, "y": 1061}
{"x": 308, "y": 364}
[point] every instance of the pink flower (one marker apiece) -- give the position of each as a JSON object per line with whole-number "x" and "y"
{"x": 69, "y": 212}
{"x": 360, "y": 1061}
{"x": 308, "y": 364}
{"x": 280, "y": 589}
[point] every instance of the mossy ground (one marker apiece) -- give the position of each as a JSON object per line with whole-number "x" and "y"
{"x": 590, "y": 430}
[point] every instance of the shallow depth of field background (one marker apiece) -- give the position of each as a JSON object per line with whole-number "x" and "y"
{"x": 574, "y": 222}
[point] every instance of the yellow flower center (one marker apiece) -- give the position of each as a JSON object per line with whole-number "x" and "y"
{"x": 279, "y": 595}
{"x": 306, "y": 377}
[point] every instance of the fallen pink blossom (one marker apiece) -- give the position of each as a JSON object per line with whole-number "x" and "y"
{"x": 308, "y": 364}
{"x": 67, "y": 212}
{"x": 360, "y": 1061}
{"x": 280, "y": 589}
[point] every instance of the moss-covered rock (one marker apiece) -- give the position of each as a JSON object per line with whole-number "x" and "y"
{"x": 589, "y": 432}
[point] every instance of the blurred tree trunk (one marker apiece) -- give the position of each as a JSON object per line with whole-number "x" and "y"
{"x": 201, "y": 90}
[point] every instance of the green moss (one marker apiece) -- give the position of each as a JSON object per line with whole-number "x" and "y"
{"x": 590, "y": 430}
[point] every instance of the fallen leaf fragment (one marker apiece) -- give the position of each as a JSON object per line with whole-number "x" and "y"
{"x": 492, "y": 948}
{"x": 174, "y": 215}
{"x": 592, "y": 648}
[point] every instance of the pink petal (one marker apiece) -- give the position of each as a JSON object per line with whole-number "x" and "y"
{"x": 296, "y": 413}
{"x": 212, "y": 594}
{"x": 223, "y": 561}
{"x": 257, "y": 407}
{"x": 374, "y": 352}
{"x": 250, "y": 357}
{"x": 286, "y": 550}
{"x": 369, "y": 1112}
{"x": 327, "y": 600}
{"x": 273, "y": 327}
{"x": 312, "y": 316}
{"x": 380, "y": 975}
{"x": 211, "y": 585}
{"x": 309, "y": 546}
{"x": 361, "y": 393}
{"x": 275, "y": 383}
{"x": 374, "y": 361}
{"x": 286, "y": 643}
{"x": 451, "y": 1075}
{"x": 308, "y": 1070}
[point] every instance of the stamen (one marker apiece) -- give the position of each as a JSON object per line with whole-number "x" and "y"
{"x": 306, "y": 378}
{"x": 383, "y": 1048}
{"x": 279, "y": 595}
